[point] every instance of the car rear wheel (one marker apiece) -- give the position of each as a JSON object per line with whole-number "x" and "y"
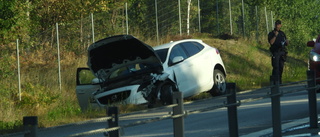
{"x": 219, "y": 86}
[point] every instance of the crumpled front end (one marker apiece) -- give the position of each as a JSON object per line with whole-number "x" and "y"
{"x": 126, "y": 69}
{"x": 123, "y": 95}
{"x": 131, "y": 94}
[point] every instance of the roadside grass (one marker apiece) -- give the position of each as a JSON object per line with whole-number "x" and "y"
{"x": 247, "y": 62}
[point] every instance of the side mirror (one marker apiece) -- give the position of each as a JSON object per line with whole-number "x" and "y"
{"x": 177, "y": 59}
{"x": 310, "y": 43}
{"x": 96, "y": 81}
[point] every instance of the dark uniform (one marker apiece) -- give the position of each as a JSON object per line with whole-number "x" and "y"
{"x": 279, "y": 53}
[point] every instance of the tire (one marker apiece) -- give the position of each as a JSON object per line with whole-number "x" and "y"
{"x": 219, "y": 87}
{"x": 166, "y": 89}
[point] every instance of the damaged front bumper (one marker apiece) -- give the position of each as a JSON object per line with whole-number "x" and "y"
{"x": 133, "y": 94}
{"x": 123, "y": 95}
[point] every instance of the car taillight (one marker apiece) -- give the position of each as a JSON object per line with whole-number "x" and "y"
{"x": 217, "y": 51}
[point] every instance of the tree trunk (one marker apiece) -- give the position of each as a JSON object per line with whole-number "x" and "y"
{"x": 82, "y": 45}
{"x": 188, "y": 17}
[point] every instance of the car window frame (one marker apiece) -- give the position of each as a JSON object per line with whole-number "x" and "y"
{"x": 164, "y": 53}
{"x": 171, "y": 52}
{"x": 198, "y": 46}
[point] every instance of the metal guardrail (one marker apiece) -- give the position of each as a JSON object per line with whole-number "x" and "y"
{"x": 30, "y": 124}
{"x": 232, "y": 105}
{"x": 275, "y": 100}
{"x": 114, "y": 130}
{"x": 178, "y": 113}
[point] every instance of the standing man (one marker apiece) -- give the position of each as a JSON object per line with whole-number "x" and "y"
{"x": 278, "y": 42}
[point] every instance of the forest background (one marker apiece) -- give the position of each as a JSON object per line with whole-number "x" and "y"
{"x": 38, "y": 27}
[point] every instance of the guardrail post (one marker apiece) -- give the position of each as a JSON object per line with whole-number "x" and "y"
{"x": 178, "y": 123}
{"x": 275, "y": 103}
{"x": 113, "y": 112}
{"x": 30, "y": 124}
{"x": 312, "y": 96}
{"x": 232, "y": 110}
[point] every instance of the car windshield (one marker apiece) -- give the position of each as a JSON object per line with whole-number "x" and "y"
{"x": 162, "y": 53}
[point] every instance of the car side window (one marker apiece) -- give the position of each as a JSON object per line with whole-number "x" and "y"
{"x": 192, "y": 47}
{"x": 177, "y": 50}
{"x": 200, "y": 46}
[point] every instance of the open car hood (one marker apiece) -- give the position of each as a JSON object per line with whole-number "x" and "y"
{"x": 107, "y": 56}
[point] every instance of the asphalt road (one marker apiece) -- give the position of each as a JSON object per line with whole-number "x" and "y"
{"x": 206, "y": 118}
{"x": 252, "y": 117}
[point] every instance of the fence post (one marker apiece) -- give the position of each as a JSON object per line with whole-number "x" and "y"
{"x": 59, "y": 61}
{"x": 267, "y": 24}
{"x": 199, "y": 16}
{"x": 127, "y": 24}
{"x": 180, "y": 17}
{"x": 217, "y": 16}
{"x": 312, "y": 96}
{"x": 157, "y": 25}
{"x": 275, "y": 103}
{"x": 232, "y": 110}
{"x": 92, "y": 28}
{"x": 178, "y": 123}
{"x": 113, "y": 112}
{"x": 230, "y": 17}
{"x": 243, "y": 21}
{"x": 19, "y": 74}
{"x": 30, "y": 124}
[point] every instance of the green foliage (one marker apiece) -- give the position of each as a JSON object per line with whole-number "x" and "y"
{"x": 22, "y": 19}
{"x": 63, "y": 111}
{"x": 6, "y": 14}
{"x": 298, "y": 19}
{"x": 10, "y": 126}
{"x": 6, "y": 66}
{"x": 36, "y": 95}
{"x": 6, "y": 18}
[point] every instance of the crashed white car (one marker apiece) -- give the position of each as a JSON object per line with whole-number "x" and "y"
{"x": 128, "y": 71}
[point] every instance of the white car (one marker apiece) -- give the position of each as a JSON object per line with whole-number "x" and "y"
{"x": 194, "y": 66}
{"x": 129, "y": 71}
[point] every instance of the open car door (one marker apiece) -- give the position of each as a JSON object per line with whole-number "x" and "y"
{"x": 85, "y": 87}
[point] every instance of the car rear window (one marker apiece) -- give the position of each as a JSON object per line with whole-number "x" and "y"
{"x": 192, "y": 47}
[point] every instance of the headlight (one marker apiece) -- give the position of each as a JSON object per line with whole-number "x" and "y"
{"x": 314, "y": 56}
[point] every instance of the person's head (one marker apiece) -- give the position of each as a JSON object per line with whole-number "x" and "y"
{"x": 277, "y": 25}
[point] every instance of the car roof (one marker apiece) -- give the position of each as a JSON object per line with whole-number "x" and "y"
{"x": 168, "y": 45}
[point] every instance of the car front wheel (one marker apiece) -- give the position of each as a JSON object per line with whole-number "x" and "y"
{"x": 219, "y": 86}
{"x": 166, "y": 90}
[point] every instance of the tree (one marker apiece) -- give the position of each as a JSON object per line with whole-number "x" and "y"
{"x": 6, "y": 19}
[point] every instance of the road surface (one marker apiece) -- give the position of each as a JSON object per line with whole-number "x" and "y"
{"x": 206, "y": 118}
